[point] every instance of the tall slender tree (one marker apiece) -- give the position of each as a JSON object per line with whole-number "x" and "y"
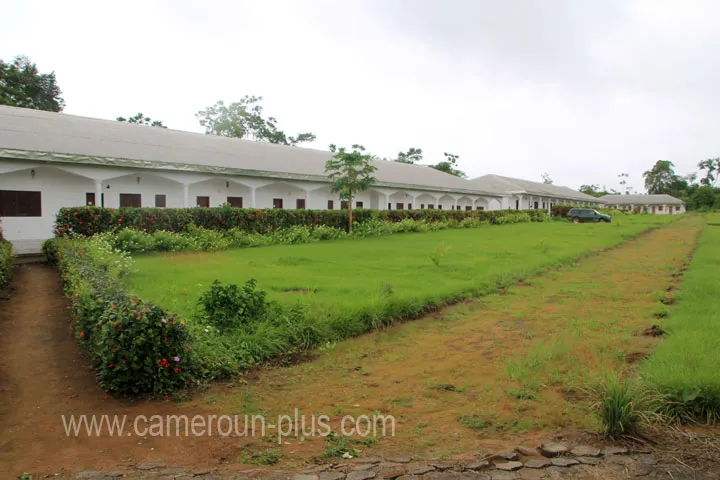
{"x": 351, "y": 172}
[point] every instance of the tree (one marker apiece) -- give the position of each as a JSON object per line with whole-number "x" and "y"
{"x": 448, "y": 165}
{"x": 140, "y": 119}
{"x": 244, "y": 119}
{"x": 22, "y": 85}
{"x": 351, "y": 173}
{"x": 412, "y": 156}
{"x": 596, "y": 190}
{"x": 546, "y": 178}
{"x": 661, "y": 178}
{"x": 711, "y": 168}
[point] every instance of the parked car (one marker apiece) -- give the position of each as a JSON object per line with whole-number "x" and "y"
{"x": 577, "y": 215}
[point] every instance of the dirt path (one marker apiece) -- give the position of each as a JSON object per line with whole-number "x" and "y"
{"x": 428, "y": 373}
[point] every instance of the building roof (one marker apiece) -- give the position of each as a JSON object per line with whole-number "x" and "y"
{"x": 58, "y": 137}
{"x": 505, "y": 185}
{"x": 659, "y": 199}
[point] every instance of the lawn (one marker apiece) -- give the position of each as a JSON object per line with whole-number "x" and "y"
{"x": 686, "y": 365}
{"x": 377, "y": 277}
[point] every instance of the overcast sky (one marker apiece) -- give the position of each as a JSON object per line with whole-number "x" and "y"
{"x": 581, "y": 89}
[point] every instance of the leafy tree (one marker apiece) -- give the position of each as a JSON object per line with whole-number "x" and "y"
{"x": 448, "y": 165}
{"x": 711, "y": 168}
{"x": 661, "y": 177}
{"x": 140, "y": 119}
{"x": 22, "y": 85}
{"x": 546, "y": 178}
{"x": 351, "y": 173}
{"x": 244, "y": 119}
{"x": 412, "y": 156}
{"x": 595, "y": 190}
{"x": 704, "y": 198}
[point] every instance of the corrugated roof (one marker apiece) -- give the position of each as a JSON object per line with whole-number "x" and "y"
{"x": 655, "y": 199}
{"x": 501, "y": 184}
{"x": 96, "y": 140}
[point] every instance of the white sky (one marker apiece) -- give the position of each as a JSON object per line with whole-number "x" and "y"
{"x": 581, "y": 89}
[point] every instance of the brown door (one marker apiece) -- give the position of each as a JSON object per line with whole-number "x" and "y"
{"x": 300, "y": 204}
{"x": 203, "y": 202}
{"x": 277, "y": 203}
{"x": 399, "y": 206}
{"x": 160, "y": 201}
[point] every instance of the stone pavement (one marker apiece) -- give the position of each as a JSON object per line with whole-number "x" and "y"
{"x": 552, "y": 460}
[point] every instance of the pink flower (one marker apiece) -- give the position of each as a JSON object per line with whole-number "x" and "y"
{"x": 177, "y": 359}
{"x": 164, "y": 320}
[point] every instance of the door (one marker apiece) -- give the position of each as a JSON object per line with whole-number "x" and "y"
{"x": 203, "y": 202}
{"x": 300, "y": 204}
{"x": 235, "y": 202}
{"x": 277, "y": 203}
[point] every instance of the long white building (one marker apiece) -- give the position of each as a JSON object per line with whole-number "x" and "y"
{"x": 53, "y": 160}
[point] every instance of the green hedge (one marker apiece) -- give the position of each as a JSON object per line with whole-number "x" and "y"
{"x": 135, "y": 346}
{"x": 6, "y": 257}
{"x": 89, "y": 221}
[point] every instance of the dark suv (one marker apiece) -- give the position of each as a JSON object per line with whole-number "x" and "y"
{"x": 577, "y": 215}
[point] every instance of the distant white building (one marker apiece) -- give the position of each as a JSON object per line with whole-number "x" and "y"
{"x": 658, "y": 204}
{"x": 521, "y": 194}
{"x": 53, "y": 160}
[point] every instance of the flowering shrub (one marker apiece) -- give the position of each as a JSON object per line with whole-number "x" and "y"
{"x": 229, "y": 306}
{"x": 135, "y": 346}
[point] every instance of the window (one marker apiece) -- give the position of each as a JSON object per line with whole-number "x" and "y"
{"x": 468, "y": 207}
{"x": 458, "y": 207}
{"x": 535, "y": 205}
{"x": 358, "y": 204}
{"x": 677, "y": 209}
{"x": 660, "y": 208}
{"x": 130, "y": 200}
{"x": 389, "y": 206}
{"x": 15, "y": 203}
{"x": 409, "y": 206}
{"x": 300, "y": 204}
{"x": 439, "y": 207}
{"x": 422, "y": 206}
{"x": 431, "y": 206}
{"x": 343, "y": 205}
{"x": 202, "y": 202}
{"x": 277, "y": 203}
{"x": 331, "y": 205}
{"x": 399, "y": 206}
{"x": 90, "y": 199}
{"x": 235, "y": 202}
{"x": 160, "y": 200}
{"x": 517, "y": 204}
{"x": 479, "y": 208}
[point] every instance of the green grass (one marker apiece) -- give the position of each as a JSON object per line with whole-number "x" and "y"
{"x": 378, "y": 276}
{"x": 686, "y": 365}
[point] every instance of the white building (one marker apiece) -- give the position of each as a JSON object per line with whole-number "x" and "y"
{"x": 658, "y": 204}
{"x": 53, "y": 160}
{"x": 521, "y": 194}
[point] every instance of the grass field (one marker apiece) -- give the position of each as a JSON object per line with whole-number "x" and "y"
{"x": 505, "y": 369}
{"x": 374, "y": 276}
{"x": 687, "y": 364}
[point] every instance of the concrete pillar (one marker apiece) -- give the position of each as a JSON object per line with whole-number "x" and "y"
{"x": 307, "y": 199}
{"x": 98, "y": 193}
{"x": 252, "y": 197}
{"x": 186, "y": 195}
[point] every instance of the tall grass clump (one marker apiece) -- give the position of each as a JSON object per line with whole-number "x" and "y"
{"x": 685, "y": 366}
{"x": 623, "y": 404}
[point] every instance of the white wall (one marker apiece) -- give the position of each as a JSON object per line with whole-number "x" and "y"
{"x": 67, "y": 185}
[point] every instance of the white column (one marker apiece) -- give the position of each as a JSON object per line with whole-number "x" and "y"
{"x": 473, "y": 203}
{"x": 520, "y": 202}
{"x": 186, "y": 195}
{"x": 252, "y": 197}
{"x": 307, "y": 199}
{"x": 454, "y": 203}
{"x": 98, "y": 193}
{"x": 437, "y": 202}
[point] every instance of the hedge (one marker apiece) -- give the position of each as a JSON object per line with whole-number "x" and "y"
{"x": 6, "y": 257}
{"x": 89, "y": 221}
{"x": 135, "y": 346}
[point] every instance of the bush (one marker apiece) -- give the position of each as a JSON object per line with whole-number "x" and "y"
{"x": 88, "y": 221}
{"x": 230, "y": 306}
{"x": 135, "y": 346}
{"x": 6, "y": 257}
